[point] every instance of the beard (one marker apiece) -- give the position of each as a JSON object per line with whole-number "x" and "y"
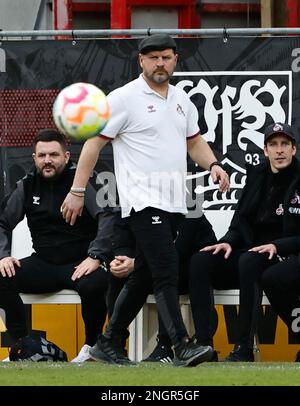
{"x": 159, "y": 76}
{"x": 54, "y": 174}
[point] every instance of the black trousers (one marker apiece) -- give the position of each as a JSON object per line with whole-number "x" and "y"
{"x": 117, "y": 284}
{"x": 38, "y": 276}
{"x": 243, "y": 270}
{"x": 193, "y": 235}
{"x": 281, "y": 283}
{"x": 156, "y": 265}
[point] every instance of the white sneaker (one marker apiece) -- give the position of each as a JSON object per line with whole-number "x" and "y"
{"x": 84, "y": 354}
{"x": 6, "y": 359}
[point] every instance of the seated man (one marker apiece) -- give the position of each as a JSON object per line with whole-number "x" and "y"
{"x": 66, "y": 257}
{"x": 281, "y": 283}
{"x": 193, "y": 234}
{"x": 265, "y": 226}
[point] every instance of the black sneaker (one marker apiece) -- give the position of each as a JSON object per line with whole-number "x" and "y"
{"x": 215, "y": 357}
{"x": 297, "y": 357}
{"x": 189, "y": 354}
{"x": 106, "y": 350}
{"x": 161, "y": 353}
{"x": 240, "y": 353}
{"x": 36, "y": 350}
{"x": 119, "y": 346}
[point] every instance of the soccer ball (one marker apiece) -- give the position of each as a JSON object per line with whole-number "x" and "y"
{"x": 80, "y": 111}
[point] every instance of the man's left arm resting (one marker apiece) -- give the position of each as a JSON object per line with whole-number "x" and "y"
{"x": 288, "y": 245}
{"x": 101, "y": 247}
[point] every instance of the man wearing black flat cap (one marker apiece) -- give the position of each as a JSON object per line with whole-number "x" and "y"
{"x": 157, "y": 42}
{"x": 152, "y": 126}
{"x": 265, "y": 228}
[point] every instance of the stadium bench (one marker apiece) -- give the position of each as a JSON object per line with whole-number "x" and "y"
{"x": 143, "y": 328}
{"x": 65, "y": 296}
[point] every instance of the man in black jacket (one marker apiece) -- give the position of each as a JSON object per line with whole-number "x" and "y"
{"x": 264, "y": 228}
{"x": 281, "y": 283}
{"x": 65, "y": 257}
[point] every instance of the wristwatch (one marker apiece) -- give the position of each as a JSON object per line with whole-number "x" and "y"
{"x": 94, "y": 256}
{"x": 102, "y": 259}
{"x": 218, "y": 163}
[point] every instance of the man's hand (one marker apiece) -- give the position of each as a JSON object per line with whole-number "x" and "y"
{"x": 268, "y": 248}
{"x": 7, "y": 266}
{"x": 122, "y": 266}
{"x": 216, "y": 248}
{"x": 86, "y": 267}
{"x": 71, "y": 208}
{"x": 73, "y": 204}
{"x": 220, "y": 176}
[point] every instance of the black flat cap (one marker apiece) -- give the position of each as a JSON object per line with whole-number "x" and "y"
{"x": 279, "y": 128}
{"x": 157, "y": 42}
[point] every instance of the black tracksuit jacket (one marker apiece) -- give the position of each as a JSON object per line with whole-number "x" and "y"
{"x": 54, "y": 240}
{"x": 241, "y": 231}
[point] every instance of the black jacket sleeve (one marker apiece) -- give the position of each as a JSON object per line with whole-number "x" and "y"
{"x": 101, "y": 246}
{"x": 287, "y": 246}
{"x": 240, "y": 231}
{"x": 12, "y": 212}
{"x": 233, "y": 235}
{"x": 124, "y": 241}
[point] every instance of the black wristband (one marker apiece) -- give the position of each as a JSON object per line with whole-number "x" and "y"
{"x": 102, "y": 259}
{"x": 215, "y": 163}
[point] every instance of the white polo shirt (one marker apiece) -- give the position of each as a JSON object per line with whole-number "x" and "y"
{"x": 149, "y": 135}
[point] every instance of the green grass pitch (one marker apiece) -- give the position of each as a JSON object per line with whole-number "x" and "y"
{"x": 147, "y": 374}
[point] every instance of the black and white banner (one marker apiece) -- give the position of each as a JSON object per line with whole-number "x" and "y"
{"x": 239, "y": 86}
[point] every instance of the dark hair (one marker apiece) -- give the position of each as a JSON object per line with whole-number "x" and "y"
{"x": 47, "y": 135}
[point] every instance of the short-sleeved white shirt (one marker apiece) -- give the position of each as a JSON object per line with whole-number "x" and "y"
{"x": 149, "y": 135}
